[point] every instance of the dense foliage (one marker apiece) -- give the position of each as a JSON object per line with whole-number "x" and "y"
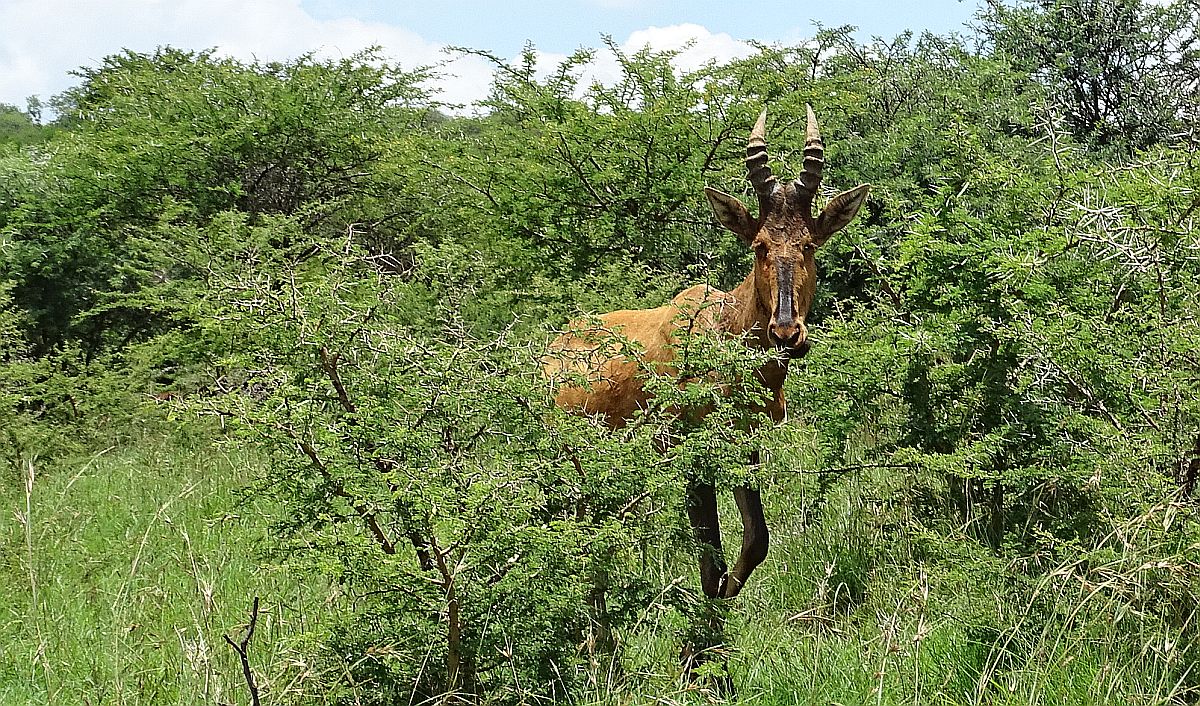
{"x": 987, "y": 487}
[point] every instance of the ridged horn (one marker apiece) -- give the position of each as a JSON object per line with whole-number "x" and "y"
{"x": 757, "y": 169}
{"x": 814, "y": 161}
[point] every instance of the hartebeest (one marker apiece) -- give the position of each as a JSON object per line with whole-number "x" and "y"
{"x": 766, "y": 310}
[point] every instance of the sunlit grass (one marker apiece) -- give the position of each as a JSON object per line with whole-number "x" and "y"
{"x": 121, "y": 573}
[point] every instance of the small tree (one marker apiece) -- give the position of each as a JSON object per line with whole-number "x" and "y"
{"x": 490, "y": 541}
{"x": 1122, "y": 72}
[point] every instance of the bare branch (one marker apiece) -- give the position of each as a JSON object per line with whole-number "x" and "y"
{"x": 242, "y": 648}
{"x": 329, "y": 363}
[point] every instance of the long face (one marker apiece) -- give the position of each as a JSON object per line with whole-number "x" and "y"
{"x": 785, "y": 235}
{"x": 785, "y": 280}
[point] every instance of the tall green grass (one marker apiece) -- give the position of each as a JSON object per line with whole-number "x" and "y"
{"x": 121, "y": 572}
{"x": 854, "y": 607}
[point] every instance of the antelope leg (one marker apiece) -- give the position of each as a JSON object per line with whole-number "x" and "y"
{"x": 755, "y": 538}
{"x": 702, "y": 513}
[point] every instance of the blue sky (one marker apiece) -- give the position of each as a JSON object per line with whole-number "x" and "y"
{"x": 562, "y": 26}
{"x": 42, "y": 40}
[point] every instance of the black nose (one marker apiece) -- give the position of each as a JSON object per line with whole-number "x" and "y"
{"x": 787, "y": 337}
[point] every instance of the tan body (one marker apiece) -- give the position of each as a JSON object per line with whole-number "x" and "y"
{"x": 611, "y": 387}
{"x": 598, "y": 375}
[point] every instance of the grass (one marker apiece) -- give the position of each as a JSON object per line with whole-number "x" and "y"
{"x": 121, "y": 573}
{"x": 946, "y": 624}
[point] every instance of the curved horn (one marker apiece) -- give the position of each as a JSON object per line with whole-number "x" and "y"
{"x": 760, "y": 174}
{"x": 814, "y": 160}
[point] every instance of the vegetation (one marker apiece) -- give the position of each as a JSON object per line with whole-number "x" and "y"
{"x": 274, "y": 331}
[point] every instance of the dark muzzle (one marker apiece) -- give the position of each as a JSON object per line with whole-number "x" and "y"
{"x": 788, "y": 339}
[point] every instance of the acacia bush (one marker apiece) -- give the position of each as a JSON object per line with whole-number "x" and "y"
{"x": 489, "y": 543}
{"x": 175, "y": 138}
{"x": 1121, "y": 73}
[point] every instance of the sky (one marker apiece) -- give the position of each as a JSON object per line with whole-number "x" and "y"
{"x": 41, "y": 41}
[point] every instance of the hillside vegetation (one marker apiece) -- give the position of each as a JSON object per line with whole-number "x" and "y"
{"x": 271, "y": 339}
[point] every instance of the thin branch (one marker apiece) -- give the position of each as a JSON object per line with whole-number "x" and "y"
{"x": 329, "y": 363}
{"x": 884, "y": 284}
{"x": 855, "y": 467}
{"x": 242, "y": 648}
{"x": 361, "y": 509}
{"x": 629, "y": 506}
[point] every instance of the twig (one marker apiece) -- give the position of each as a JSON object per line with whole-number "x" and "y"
{"x": 363, "y": 510}
{"x": 329, "y": 364}
{"x": 629, "y": 506}
{"x": 242, "y": 649}
{"x": 897, "y": 300}
{"x": 847, "y": 469}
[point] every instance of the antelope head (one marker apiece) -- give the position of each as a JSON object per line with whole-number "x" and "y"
{"x": 785, "y": 235}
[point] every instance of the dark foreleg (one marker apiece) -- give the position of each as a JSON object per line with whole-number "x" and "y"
{"x": 702, "y": 513}
{"x": 755, "y": 539}
{"x": 705, "y": 642}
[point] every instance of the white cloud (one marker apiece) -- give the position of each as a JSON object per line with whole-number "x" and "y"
{"x": 42, "y": 40}
{"x": 696, "y": 46}
{"x": 706, "y": 46}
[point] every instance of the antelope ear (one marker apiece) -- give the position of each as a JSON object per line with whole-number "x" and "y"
{"x": 732, "y": 214}
{"x": 840, "y": 210}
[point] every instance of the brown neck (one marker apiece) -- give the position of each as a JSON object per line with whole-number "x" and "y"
{"x": 746, "y": 313}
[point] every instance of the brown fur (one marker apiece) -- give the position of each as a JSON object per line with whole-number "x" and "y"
{"x": 591, "y": 352}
